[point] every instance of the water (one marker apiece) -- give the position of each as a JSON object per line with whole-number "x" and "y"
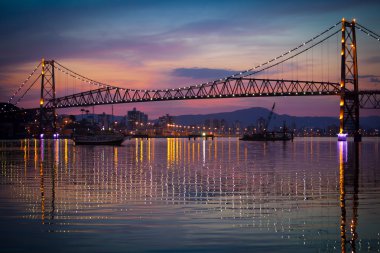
{"x": 176, "y": 195}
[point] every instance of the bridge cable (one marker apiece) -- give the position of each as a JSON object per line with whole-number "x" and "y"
{"x": 312, "y": 64}
{"x": 23, "y": 83}
{"x": 368, "y": 32}
{"x": 249, "y": 72}
{"x": 328, "y": 61}
{"x": 322, "y": 62}
{"x": 244, "y": 73}
{"x": 367, "y": 29}
{"x": 317, "y": 43}
{"x": 80, "y": 77}
{"x": 30, "y": 86}
{"x": 258, "y": 71}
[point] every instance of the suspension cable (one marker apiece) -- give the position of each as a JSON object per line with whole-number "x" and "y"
{"x": 244, "y": 73}
{"x": 368, "y": 32}
{"x": 306, "y": 49}
{"x": 80, "y": 77}
{"x": 252, "y": 71}
{"x": 30, "y": 86}
{"x": 367, "y": 29}
{"x": 23, "y": 83}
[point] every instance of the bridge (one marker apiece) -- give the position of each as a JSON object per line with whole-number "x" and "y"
{"x": 247, "y": 83}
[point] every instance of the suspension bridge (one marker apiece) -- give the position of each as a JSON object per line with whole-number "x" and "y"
{"x": 263, "y": 80}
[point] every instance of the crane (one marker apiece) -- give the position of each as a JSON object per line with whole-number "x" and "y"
{"x": 269, "y": 117}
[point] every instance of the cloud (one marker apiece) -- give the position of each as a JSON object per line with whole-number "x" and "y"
{"x": 136, "y": 50}
{"x": 75, "y": 33}
{"x": 227, "y": 28}
{"x": 367, "y": 76}
{"x": 122, "y": 34}
{"x": 374, "y": 80}
{"x": 202, "y": 73}
{"x": 373, "y": 59}
{"x": 371, "y": 78}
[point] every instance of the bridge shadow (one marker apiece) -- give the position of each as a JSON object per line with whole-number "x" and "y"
{"x": 349, "y": 155}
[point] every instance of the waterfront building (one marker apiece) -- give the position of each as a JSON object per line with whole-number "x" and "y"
{"x": 136, "y": 119}
{"x": 164, "y": 125}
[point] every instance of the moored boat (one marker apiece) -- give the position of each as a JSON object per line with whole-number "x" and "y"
{"x": 99, "y": 139}
{"x": 264, "y": 135}
{"x": 268, "y": 136}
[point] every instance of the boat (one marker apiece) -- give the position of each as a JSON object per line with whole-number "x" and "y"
{"x": 100, "y": 138}
{"x": 264, "y": 135}
{"x": 268, "y": 136}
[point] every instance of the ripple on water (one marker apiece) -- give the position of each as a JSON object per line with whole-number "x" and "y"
{"x": 184, "y": 195}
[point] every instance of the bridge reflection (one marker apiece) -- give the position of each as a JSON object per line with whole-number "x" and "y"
{"x": 349, "y": 185}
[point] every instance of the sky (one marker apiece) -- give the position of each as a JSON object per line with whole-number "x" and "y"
{"x": 167, "y": 44}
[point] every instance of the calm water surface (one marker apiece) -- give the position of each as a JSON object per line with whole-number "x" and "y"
{"x": 176, "y": 195}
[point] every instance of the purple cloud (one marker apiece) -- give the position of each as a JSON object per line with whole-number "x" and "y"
{"x": 374, "y": 80}
{"x": 371, "y": 78}
{"x": 373, "y": 59}
{"x": 202, "y": 73}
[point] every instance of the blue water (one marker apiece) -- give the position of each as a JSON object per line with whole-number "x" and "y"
{"x": 179, "y": 195}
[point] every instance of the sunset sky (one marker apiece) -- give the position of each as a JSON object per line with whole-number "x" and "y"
{"x": 162, "y": 44}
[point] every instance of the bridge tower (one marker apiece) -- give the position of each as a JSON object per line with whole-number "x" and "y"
{"x": 349, "y": 94}
{"x": 47, "y": 116}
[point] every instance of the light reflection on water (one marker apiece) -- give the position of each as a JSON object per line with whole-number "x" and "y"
{"x": 184, "y": 195}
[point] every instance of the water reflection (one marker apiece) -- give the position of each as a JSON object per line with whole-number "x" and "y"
{"x": 286, "y": 192}
{"x": 349, "y": 184}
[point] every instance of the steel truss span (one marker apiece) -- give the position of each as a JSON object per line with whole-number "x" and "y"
{"x": 369, "y": 99}
{"x": 230, "y": 88}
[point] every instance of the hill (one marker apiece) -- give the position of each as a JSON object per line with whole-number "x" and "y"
{"x": 251, "y": 115}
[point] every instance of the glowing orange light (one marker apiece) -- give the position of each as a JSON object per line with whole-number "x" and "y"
{"x": 43, "y": 66}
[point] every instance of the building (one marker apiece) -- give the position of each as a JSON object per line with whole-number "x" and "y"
{"x": 223, "y": 126}
{"x": 164, "y": 125}
{"x": 104, "y": 121}
{"x": 237, "y": 127}
{"x": 136, "y": 119}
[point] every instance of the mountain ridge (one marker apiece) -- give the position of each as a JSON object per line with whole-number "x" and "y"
{"x": 249, "y": 116}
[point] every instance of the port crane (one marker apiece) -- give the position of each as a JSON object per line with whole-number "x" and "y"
{"x": 269, "y": 118}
